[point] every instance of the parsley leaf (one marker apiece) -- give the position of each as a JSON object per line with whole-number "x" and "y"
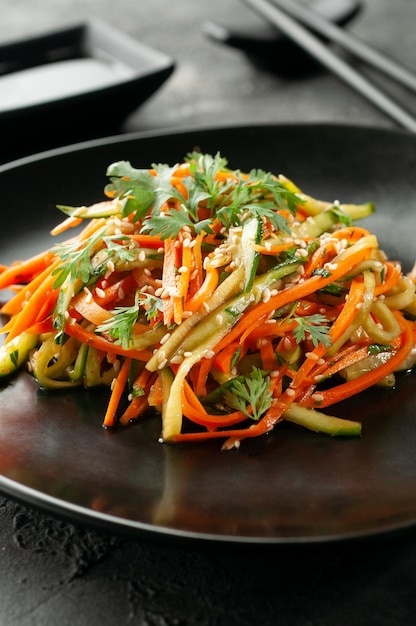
{"x": 254, "y": 392}
{"x": 314, "y": 327}
{"x": 120, "y": 326}
{"x": 376, "y": 348}
{"x": 137, "y": 186}
{"x": 76, "y": 260}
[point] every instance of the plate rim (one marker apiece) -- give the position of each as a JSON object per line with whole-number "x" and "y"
{"x": 80, "y": 514}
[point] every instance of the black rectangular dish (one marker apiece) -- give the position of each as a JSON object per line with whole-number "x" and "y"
{"x": 71, "y": 84}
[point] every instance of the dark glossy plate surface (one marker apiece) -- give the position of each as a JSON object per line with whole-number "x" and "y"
{"x": 292, "y": 486}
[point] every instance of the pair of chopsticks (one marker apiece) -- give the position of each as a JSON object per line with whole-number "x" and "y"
{"x": 300, "y": 24}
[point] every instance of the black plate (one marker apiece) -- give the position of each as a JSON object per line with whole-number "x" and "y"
{"x": 73, "y": 84}
{"x": 291, "y": 486}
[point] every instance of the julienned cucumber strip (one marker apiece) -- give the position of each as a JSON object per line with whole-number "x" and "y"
{"x": 205, "y": 337}
{"x": 251, "y": 235}
{"x": 322, "y": 423}
{"x": 15, "y": 353}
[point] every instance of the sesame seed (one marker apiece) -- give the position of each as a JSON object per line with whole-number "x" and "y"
{"x": 219, "y": 319}
{"x": 162, "y": 364}
{"x": 100, "y": 292}
{"x": 187, "y": 354}
{"x": 266, "y": 295}
{"x": 142, "y": 256}
{"x": 88, "y": 294}
{"x": 164, "y": 338}
{"x": 275, "y": 374}
{"x": 290, "y": 392}
{"x": 161, "y": 356}
{"x": 183, "y": 269}
{"x": 312, "y": 356}
{"x": 178, "y": 358}
{"x": 317, "y": 397}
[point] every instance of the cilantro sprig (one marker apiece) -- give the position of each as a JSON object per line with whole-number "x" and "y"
{"x": 120, "y": 326}
{"x": 253, "y": 396}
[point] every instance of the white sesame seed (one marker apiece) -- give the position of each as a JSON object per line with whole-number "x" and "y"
{"x": 100, "y": 292}
{"x": 266, "y": 295}
{"x": 290, "y": 392}
{"x": 187, "y": 354}
{"x": 161, "y": 356}
{"x": 162, "y": 364}
{"x": 219, "y": 319}
{"x": 317, "y": 397}
{"x": 164, "y": 338}
{"x": 88, "y": 294}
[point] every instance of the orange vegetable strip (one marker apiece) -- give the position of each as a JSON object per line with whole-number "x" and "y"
{"x": 148, "y": 241}
{"x": 205, "y": 291}
{"x": 30, "y": 312}
{"x": 169, "y": 280}
{"x": 196, "y": 277}
{"x": 88, "y": 308}
{"x": 195, "y": 411}
{"x": 182, "y": 284}
{"x": 69, "y": 222}
{"x": 223, "y": 359}
{"x": 299, "y": 290}
{"x": 273, "y": 249}
{"x": 352, "y": 387}
{"x": 86, "y": 336}
{"x": 345, "y": 318}
{"x": 15, "y": 304}
{"x": 267, "y": 354}
{"x": 155, "y": 393}
{"x": 135, "y": 409}
{"x": 112, "y": 292}
{"x": 351, "y": 233}
{"x": 117, "y": 390}
{"x": 205, "y": 367}
{"x": 393, "y": 275}
{"x": 44, "y": 326}
{"x": 25, "y": 271}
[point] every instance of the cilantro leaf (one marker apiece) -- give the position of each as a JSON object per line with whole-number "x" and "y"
{"x": 137, "y": 186}
{"x": 254, "y": 392}
{"x": 314, "y": 327}
{"x": 120, "y": 326}
{"x": 76, "y": 260}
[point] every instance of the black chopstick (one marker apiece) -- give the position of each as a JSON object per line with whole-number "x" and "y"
{"x": 359, "y": 48}
{"x": 279, "y": 16}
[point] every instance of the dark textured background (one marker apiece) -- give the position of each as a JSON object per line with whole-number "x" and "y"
{"x": 53, "y": 572}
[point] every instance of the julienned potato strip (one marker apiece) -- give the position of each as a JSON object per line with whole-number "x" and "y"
{"x": 229, "y": 301}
